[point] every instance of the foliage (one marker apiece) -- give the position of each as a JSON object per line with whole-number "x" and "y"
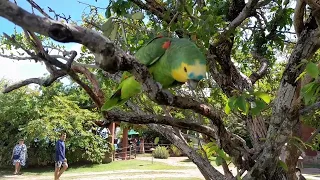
{"x": 39, "y": 117}
{"x": 161, "y": 152}
{"x": 16, "y": 111}
{"x": 175, "y": 151}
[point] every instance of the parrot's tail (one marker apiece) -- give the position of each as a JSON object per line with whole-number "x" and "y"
{"x": 114, "y": 100}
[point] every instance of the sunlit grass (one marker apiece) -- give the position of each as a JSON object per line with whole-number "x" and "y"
{"x": 116, "y": 165}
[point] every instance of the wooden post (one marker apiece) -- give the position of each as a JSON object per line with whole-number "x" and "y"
{"x": 124, "y": 143}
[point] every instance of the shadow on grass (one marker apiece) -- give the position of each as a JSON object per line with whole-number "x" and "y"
{"x": 186, "y": 160}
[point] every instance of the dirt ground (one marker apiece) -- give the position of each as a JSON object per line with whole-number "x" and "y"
{"x": 309, "y": 173}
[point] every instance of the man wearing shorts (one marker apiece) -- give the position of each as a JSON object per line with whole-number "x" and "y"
{"x": 60, "y": 160}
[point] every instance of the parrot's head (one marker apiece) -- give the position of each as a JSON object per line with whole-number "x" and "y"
{"x": 190, "y": 73}
{"x": 188, "y": 62}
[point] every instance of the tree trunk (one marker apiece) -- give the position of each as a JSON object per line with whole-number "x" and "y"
{"x": 257, "y": 129}
{"x": 291, "y": 160}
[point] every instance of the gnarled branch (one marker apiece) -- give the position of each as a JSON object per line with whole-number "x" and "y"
{"x": 41, "y": 82}
{"x": 255, "y": 76}
{"x": 117, "y": 115}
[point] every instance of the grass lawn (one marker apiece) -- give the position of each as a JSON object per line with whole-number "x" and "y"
{"x": 116, "y": 165}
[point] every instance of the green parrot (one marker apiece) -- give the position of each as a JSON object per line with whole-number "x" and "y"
{"x": 171, "y": 62}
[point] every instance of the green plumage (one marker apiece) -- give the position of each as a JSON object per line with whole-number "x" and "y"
{"x": 162, "y": 56}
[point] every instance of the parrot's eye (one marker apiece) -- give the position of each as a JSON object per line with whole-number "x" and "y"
{"x": 185, "y": 69}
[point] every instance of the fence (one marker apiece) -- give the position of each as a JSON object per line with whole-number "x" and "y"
{"x": 132, "y": 150}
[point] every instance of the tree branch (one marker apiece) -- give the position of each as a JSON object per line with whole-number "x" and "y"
{"x": 314, "y": 134}
{"x": 203, "y": 164}
{"x": 285, "y": 113}
{"x": 36, "y": 6}
{"x": 87, "y": 88}
{"x": 208, "y": 170}
{"x": 255, "y": 76}
{"x": 41, "y": 82}
{"x": 159, "y": 11}
{"x": 117, "y": 115}
{"x": 92, "y": 78}
{"x": 310, "y": 108}
{"x": 246, "y": 12}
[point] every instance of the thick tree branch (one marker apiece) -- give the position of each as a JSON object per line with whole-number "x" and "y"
{"x": 221, "y": 67}
{"x": 117, "y": 115}
{"x": 203, "y": 164}
{"x": 285, "y": 113}
{"x": 113, "y": 58}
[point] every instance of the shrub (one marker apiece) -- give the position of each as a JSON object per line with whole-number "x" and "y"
{"x": 161, "y": 152}
{"x": 175, "y": 151}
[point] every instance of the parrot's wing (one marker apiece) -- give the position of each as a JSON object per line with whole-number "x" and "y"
{"x": 152, "y": 51}
{"x": 128, "y": 88}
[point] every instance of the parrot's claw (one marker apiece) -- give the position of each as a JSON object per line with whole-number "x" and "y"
{"x": 205, "y": 108}
{"x": 168, "y": 95}
{"x": 159, "y": 85}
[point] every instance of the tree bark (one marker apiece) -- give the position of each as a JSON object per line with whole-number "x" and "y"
{"x": 285, "y": 112}
{"x": 257, "y": 129}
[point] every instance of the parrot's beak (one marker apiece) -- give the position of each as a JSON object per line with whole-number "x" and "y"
{"x": 192, "y": 83}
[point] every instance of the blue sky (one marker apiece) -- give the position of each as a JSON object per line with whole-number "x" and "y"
{"x": 19, "y": 70}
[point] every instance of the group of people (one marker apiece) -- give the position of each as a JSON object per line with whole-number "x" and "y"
{"x": 19, "y": 156}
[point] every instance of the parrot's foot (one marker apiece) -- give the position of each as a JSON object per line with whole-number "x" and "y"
{"x": 168, "y": 95}
{"x": 159, "y": 85}
{"x": 205, "y": 108}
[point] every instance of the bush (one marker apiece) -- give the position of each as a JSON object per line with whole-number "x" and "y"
{"x": 175, "y": 151}
{"x": 161, "y": 152}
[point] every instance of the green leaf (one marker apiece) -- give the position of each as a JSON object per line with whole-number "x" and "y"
{"x": 283, "y": 165}
{"x": 232, "y": 102}
{"x": 219, "y": 161}
{"x": 107, "y": 27}
{"x": 227, "y": 109}
{"x": 308, "y": 91}
{"x": 300, "y": 76}
{"x": 156, "y": 140}
{"x": 114, "y": 32}
{"x": 223, "y": 154}
{"x": 238, "y": 177}
{"x": 242, "y": 104}
{"x": 260, "y": 105}
{"x": 264, "y": 96}
{"x": 137, "y": 16}
{"x": 312, "y": 70}
{"x": 108, "y": 12}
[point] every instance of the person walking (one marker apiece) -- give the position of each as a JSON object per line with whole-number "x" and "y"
{"x": 19, "y": 155}
{"x": 60, "y": 159}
